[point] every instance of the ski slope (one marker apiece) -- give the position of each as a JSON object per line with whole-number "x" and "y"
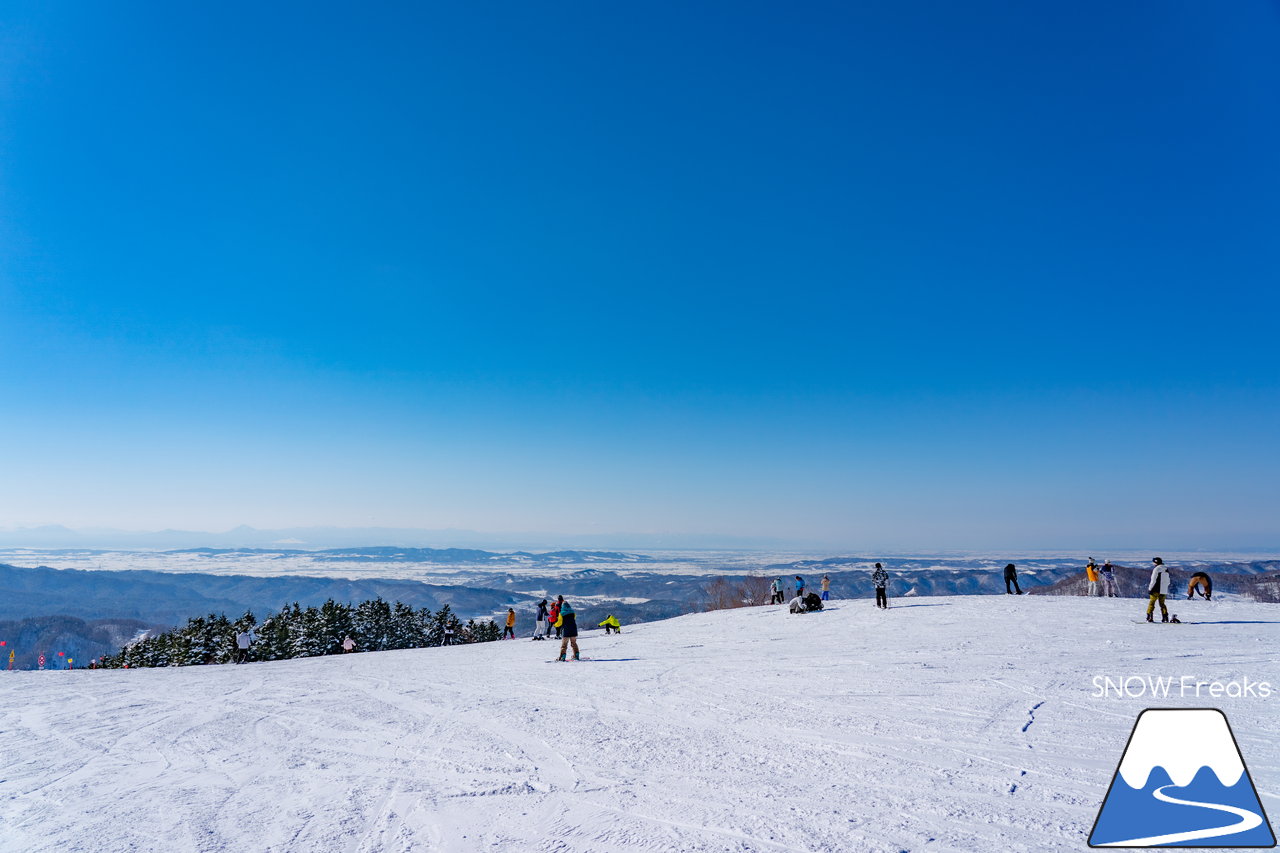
{"x": 944, "y": 724}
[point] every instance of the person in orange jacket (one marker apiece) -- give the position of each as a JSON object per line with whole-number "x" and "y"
{"x": 510, "y": 630}
{"x": 1091, "y": 572}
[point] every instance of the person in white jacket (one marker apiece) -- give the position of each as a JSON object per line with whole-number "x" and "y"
{"x": 1157, "y": 589}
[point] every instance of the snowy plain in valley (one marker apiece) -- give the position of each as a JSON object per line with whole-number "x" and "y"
{"x": 944, "y": 724}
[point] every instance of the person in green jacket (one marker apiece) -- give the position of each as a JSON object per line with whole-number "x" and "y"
{"x": 611, "y": 625}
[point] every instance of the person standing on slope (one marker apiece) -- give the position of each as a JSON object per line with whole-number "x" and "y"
{"x": 510, "y": 630}
{"x": 244, "y": 640}
{"x": 799, "y": 587}
{"x": 348, "y": 645}
{"x": 880, "y": 578}
{"x": 542, "y": 617}
{"x": 1011, "y": 577}
{"x": 826, "y": 588}
{"x": 1091, "y": 572}
{"x": 1109, "y": 579}
{"x": 1200, "y": 581}
{"x": 775, "y": 590}
{"x": 611, "y": 625}
{"x": 568, "y": 622}
{"x": 1157, "y": 589}
{"x": 555, "y": 616}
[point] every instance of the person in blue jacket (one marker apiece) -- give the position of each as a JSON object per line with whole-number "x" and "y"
{"x": 799, "y": 586}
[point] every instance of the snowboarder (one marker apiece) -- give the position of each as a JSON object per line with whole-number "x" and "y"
{"x": 1202, "y": 583}
{"x": 1011, "y": 577}
{"x": 611, "y": 625}
{"x": 348, "y": 645}
{"x": 826, "y": 588}
{"x": 510, "y": 630}
{"x": 799, "y": 586}
{"x": 881, "y": 579}
{"x": 1157, "y": 589}
{"x": 568, "y": 623}
{"x": 542, "y": 617}
{"x": 244, "y": 640}
{"x": 1109, "y": 579}
{"x": 1091, "y": 572}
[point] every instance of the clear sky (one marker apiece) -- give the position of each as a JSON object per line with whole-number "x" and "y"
{"x": 863, "y": 275}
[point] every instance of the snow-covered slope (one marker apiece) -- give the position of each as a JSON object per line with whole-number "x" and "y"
{"x": 943, "y": 724}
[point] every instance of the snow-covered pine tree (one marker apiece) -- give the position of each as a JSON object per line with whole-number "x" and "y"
{"x": 408, "y": 630}
{"x": 372, "y": 624}
{"x": 336, "y": 623}
{"x": 308, "y": 635}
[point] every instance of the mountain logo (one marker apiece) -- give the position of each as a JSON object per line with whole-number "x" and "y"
{"x": 1182, "y": 782}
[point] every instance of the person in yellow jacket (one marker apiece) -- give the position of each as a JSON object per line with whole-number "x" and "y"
{"x": 1091, "y": 572}
{"x": 611, "y": 625}
{"x": 510, "y": 630}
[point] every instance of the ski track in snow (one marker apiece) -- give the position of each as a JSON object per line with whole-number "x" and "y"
{"x": 966, "y": 724}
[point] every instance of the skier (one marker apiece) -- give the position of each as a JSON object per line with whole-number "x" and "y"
{"x": 567, "y": 622}
{"x": 348, "y": 645}
{"x": 555, "y": 616}
{"x": 1109, "y": 579}
{"x": 881, "y": 579}
{"x": 799, "y": 586}
{"x": 510, "y": 630}
{"x": 611, "y": 625}
{"x": 542, "y": 617}
{"x": 244, "y": 640}
{"x": 1200, "y": 581}
{"x": 1157, "y": 589}
{"x": 826, "y": 588}
{"x": 1011, "y": 577}
{"x": 1091, "y": 572}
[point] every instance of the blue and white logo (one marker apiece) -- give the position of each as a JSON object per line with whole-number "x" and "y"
{"x": 1182, "y": 783}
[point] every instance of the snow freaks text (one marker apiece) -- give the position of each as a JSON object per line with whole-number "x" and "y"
{"x": 1182, "y": 686}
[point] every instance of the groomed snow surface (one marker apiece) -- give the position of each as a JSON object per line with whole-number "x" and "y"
{"x": 943, "y": 724}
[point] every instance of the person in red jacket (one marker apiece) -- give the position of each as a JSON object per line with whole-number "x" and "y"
{"x": 554, "y": 616}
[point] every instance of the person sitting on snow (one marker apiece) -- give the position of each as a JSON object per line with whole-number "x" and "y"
{"x": 796, "y": 605}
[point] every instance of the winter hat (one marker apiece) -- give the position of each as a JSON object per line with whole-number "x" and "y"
{"x": 565, "y": 608}
{"x": 1157, "y": 561}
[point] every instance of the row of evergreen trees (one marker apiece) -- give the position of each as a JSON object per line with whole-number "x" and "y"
{"x": 296, "y": 632}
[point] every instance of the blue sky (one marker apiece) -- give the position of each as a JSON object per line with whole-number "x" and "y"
{"x": 903, "y": 275}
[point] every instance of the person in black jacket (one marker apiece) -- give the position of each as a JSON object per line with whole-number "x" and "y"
{"x": 1011, "y": 577}
{"x": 569, "y": 622}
